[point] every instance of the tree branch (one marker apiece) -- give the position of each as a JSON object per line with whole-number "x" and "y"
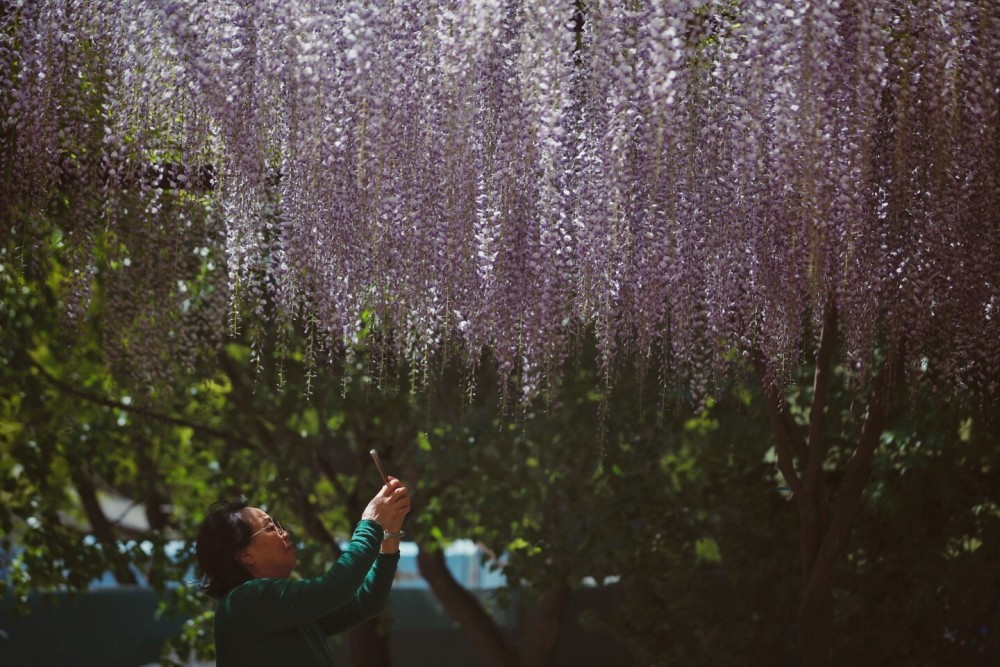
{"x": 331, "y": 474}
{"x": 813, "y": 510}
{"x": 779, "y": 424}
{"x": 795, "y": 437}
{"x": 99, "y": 524}
{"x": 821, "y": 381}
{"x": 463, "y": 606}
{"x": 135, "y": 409}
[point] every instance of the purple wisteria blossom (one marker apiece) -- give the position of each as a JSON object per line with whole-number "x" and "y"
{"x": 690, "y": 181}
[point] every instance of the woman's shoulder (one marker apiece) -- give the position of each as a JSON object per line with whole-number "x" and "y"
{"x": 250, "y": 589}
{"x": 233, "y": 597}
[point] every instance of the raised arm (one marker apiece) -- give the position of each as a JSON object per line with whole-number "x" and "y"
{"x": 369, "y": 599}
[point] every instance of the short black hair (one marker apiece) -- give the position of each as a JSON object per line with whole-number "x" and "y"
{"x": 223, "y": 534}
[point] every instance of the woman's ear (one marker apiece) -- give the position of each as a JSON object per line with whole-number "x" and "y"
{"x": 245, "y": 557}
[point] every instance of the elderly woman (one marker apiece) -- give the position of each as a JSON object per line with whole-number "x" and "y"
{"x": 265, "y": 618}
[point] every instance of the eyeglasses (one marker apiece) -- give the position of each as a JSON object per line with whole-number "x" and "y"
{"x": 274, "y": 525}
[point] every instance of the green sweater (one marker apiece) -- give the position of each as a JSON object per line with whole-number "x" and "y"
{"x": 286, "y": 622}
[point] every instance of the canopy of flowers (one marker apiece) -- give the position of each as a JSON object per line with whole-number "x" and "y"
{"x": 687, "y": 180}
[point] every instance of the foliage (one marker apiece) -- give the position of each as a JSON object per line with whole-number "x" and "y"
{"x": 552, "y": 493}
{"x": 924, "y": 544}
{"x": 721, "y": 588}
{"x": 917, "y": 585}
{"x": 72, "y": 432}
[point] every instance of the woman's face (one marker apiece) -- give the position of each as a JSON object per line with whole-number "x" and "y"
{"x": 270, "y": 553}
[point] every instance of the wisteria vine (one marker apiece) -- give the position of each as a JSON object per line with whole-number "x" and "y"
{"x": 687, "y": 180}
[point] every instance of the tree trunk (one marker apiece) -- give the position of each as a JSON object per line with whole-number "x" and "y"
{"x": 542, "y": 626}
{"x": 815, "y": 619}
{"x": 800, "y": 459}
{"x": 368, "y": 645}
{"x": 815, "y": 633}
{"x": 99, "y": 524}
{"x": 465, "y": 609}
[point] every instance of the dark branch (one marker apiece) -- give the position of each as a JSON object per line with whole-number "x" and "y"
{"x": 136, "y": 409}
{"x": 461, "y": 605}
{"x": 781, "y": 423}
{"x": 821, "y": 381}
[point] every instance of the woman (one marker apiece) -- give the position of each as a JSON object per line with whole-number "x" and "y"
{"x": 265, "y": 618}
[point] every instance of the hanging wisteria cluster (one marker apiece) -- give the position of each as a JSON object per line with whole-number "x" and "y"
{"x": 688, "y": 180}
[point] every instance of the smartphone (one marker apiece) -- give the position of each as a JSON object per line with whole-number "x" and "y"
{"x": 378, "y": 464}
